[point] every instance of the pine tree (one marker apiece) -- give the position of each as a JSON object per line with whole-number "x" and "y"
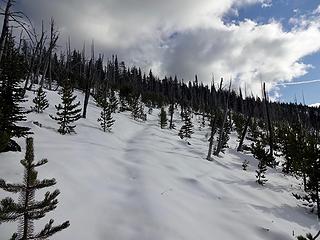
{"x": 11, "y": 95}
{"x": 113, "y": 101}
{"x": 106, "y": 120}
{"x": 186, "y": 129}
{"x": 262, "y": 155}
{"x": 67, "y": 112}
{"x": 262, "y": 168}
{"x": 27, "y": 210}
{"x": 163, "y": 118}
{"x": 137, "y": 109}
{"x": 40, "y": 101}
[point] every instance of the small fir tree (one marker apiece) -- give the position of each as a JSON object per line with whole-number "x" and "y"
{"x": 27, "y": 210}
{"x": 113, "y": 101}
{"x": 67, "y": 112}
{"x": 262, "y": 155}
{"x": 137, "y": 109}
{"x": 163, "y": 118}
{"x": 106, "y": 120}
{"x": 40, "y": 101}
{"x": 186, "y": 129}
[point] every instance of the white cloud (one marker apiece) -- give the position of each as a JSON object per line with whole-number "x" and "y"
{"x": 317, "y": 10}
{"x": 187, "y": 37}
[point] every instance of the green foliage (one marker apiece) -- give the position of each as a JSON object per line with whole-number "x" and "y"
{"x": 113, "y": 101}
{"x": 137, "y": 109}
{"x": 163, "y": 118}
{"x": 13, "y": 70}
{"x": 261, "y": 154}
{"x": 106, "y": 120}
{"x": 239, "y": 122}
{"x": 67, "y": 112}
{"x": 40, "y": 101}
{"x": 27, "y": 209}
{"x": 186, "y": 129}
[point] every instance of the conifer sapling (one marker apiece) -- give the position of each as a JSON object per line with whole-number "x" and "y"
{"x": 186, "y": 129}
{"x": 106, "y": 120}
{"x": 163, "y": 118}
{"x": 40, "y": 101}
{"x": 67, "y": 112}
{"x": 28, "y": 209}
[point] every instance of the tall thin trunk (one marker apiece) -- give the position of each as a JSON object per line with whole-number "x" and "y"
{"x": 171, "y": 115}
{"x": 222, "y": 129}
{"x": 269, "y": 120}
{"x": 5, "y": 28}
{"x": 212, "y": 133}
{"x": 244, "y": 132}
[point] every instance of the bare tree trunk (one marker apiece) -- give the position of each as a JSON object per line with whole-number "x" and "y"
{"x": 5, "y": 28}
{"x": 225, "y": 117}
{"x": 213, "y": 123}
{"x": 244, "y": 132}
{"x": 88, "y": 84}
{"x": 269, "y": 121}
{"x": 47, "y": 59}
{"x": 171, "y": 115}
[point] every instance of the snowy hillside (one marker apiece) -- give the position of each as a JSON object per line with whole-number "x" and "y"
{"x": 140, "y": 182}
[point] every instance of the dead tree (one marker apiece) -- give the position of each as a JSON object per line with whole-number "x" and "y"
{"x": 268, "y": 119}
{"x": 89, "y": 82}
{"x": 5, "y": 28}
{"x": 222, "y": 129}
{"x": 213, "y": 123}
{"x": 54, "y": 35}
{"x": 245, "y": 129}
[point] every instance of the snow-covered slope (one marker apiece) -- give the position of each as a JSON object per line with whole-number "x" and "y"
{"x": 141, "y": 182}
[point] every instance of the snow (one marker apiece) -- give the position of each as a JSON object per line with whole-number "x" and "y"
{"x": 141, "y": 182}
{"x": 314, "y": 105}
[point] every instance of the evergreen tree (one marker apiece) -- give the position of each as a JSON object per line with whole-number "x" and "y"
{"x": 113, "y": 101}
{"x": 262, "y": 155}
{"x": 163, "y": 118}
{"x": 186, "y": 129}
{"x": 13, "y": 70}
{"x": 262, "y": 168}
{"x": 137, "y": 107}
{"x": 40, "y": 101}
{"x": 106, "y": 120}
{"x": 27, "y": 210}
{"x": 67, "y": 112}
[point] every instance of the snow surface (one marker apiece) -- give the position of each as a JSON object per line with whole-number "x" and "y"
{"x": 314, "y": 105}
{"x": 140, "y": 182}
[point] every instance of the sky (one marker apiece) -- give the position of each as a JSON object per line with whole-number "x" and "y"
{"x": 248, "y": 41}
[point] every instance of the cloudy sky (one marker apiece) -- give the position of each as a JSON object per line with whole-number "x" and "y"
{"x": 247, "y": 40}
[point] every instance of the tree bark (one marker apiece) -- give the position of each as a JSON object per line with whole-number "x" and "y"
{"x": 244, "y": 132}
{"x": 5, "y": 28}
{"x": 269, "y": 120}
